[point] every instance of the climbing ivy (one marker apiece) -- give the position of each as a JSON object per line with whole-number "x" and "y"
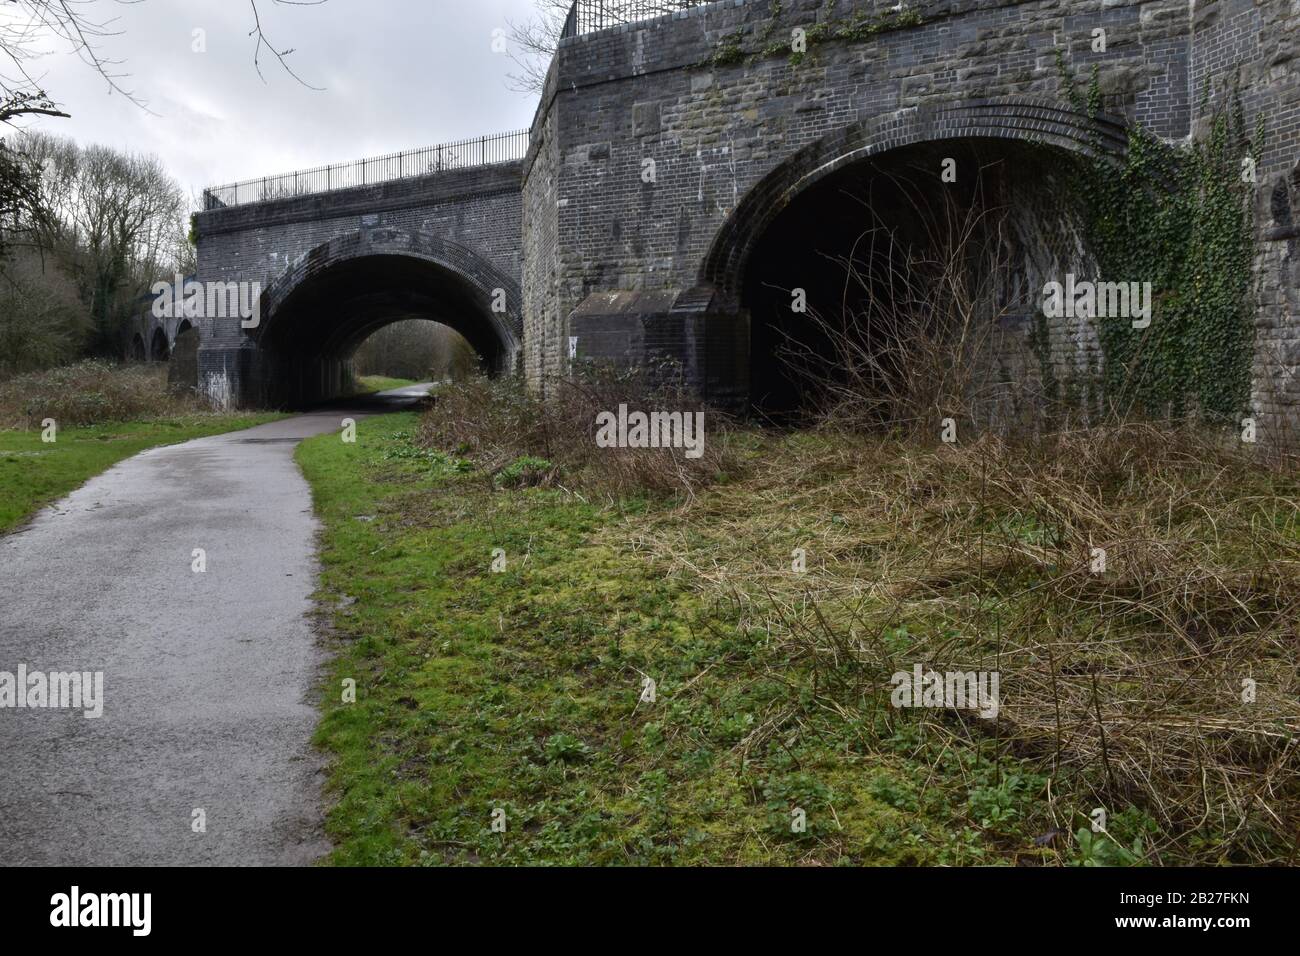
{"x": 1182, "y": 218}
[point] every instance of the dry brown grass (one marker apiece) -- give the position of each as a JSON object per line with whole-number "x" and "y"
{"x": 91, "y": 392}
{"x": 498, "y": 423}
{"x": 1124, "y": 686}
{"x": 914, "y": 335}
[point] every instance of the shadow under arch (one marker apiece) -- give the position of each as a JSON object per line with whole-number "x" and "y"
{"x": 1024, "y": 119}
{"x": 315, "y": 315}
{"x": 159, "y": 348}
{"x": 796, "y": 228}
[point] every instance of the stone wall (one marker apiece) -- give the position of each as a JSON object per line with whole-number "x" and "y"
{"x": 543, "y": 324}
{"x": 696, "y": 94}
{"x": 1257, "y": 43}
{"x": 478, "y": 209}
{"x": 713, "y": 97}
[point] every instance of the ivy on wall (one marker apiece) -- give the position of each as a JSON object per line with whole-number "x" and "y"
{"x": 1182, "y": 218}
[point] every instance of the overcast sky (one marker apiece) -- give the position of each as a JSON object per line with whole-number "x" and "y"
{"x": 397, "y": 74}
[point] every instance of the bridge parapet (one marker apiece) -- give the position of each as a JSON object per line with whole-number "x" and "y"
{"x": 592, "y": 16}
{"x": 465, "y": 154}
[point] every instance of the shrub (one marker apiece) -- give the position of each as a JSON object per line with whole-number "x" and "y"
{"x": 89, "y": 393}
{"x": 521, "y": 440}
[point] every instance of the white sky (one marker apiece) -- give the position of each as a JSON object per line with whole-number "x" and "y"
{"x": 397, "y": 74}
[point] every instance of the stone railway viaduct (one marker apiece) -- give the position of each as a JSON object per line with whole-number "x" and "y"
{"x": 676, "y": 166}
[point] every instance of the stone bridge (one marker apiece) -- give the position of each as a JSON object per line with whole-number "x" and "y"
{"x": 683, "y": 174}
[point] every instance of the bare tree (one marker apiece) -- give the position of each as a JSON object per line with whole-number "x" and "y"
{"x": 113, "y": 221}
{"x": 42, "y": 322}
{"x": 417, "y": 349}
{"x": 27, "y": 25}
{"x": 20, "y": 197}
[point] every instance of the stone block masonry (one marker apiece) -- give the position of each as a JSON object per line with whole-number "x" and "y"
{"x": 661, "y": 153}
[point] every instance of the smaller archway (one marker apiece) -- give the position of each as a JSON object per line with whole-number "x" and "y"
{"x": 137, "y": 352}
{"x": 183, "y": 369}
{"x": 416, "y": 349}
{"x": 317, "y": 314}
{"x": 159, "y": 350}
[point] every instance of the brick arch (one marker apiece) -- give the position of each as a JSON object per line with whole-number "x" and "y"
{"x": 160, "y": 349}
{"x": 457, "y": 261}
{"x": 1030, "y": 120}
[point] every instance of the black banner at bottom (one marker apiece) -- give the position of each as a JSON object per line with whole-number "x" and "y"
{"x": 334, "y": 905}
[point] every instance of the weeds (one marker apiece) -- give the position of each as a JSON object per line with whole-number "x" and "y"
{"x": 1125, "y": 687}
{"x": 91, "y": 393}
{"x": 520, "y": 440}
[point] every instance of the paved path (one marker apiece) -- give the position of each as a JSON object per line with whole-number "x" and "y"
{"x": 209, "y": 679}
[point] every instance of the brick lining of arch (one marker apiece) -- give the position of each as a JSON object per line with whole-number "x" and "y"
{"x": 1030, "y": 120}
{"x": 450, "y": 256}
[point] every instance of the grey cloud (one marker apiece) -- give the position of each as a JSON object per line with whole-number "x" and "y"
{"x": 397, "y": 74}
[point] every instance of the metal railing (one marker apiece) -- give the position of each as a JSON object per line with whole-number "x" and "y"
{"x": 468, "y": 153}
{"x": 588, "y": 16}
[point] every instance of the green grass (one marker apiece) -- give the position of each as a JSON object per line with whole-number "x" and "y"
{"x": 33, "y": 473}
{"x": 520, "y": 691}
{"x": 366, "y": 384}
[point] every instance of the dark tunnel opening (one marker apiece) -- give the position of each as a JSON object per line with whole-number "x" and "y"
{"x": 313, "y": 335}
{"x": 159, "y": 350}
{"x": 864, "y": 243}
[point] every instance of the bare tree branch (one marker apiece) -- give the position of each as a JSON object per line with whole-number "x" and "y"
{"x": 262, "y": 41}
{"x": 26, "y": 26}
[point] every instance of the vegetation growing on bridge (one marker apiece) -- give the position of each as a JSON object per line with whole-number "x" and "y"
{"x": 1182, "y": 218}
{"x": 857, "y": 28}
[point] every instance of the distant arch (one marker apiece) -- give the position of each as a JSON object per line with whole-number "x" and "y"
{"x": 480, "y": 301}
{"x": 159, "y": 347}
{"x": 316, "y": 314}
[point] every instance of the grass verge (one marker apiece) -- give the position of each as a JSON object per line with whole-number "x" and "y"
{"x": 524, "y": 690}
{"x": 369, "y": 384}
{"x": 33, "y": 473}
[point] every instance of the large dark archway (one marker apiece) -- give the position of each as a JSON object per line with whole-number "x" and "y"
{"x": 879, "y": 186}
{"x": 314, "y": 317}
